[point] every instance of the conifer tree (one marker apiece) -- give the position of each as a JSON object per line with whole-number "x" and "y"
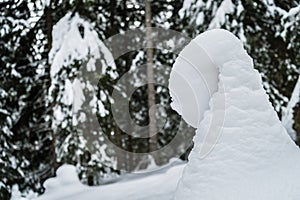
{"x": 25, "y": 134}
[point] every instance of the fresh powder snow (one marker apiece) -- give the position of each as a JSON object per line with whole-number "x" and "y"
{"x": 160, "y": 184}
{"x": 248, "y": 154}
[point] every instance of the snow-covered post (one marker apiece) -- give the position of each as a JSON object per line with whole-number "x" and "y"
{"x": 253, "y": 157}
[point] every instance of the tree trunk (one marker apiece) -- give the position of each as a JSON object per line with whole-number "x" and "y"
{"x": 151, "y": 88}
{"x": 297, "y": 122}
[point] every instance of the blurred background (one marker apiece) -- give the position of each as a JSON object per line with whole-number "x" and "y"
{"x": 43, "y": 44}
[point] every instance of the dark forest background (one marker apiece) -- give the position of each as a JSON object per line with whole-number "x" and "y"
{"x": 31, "y": 149}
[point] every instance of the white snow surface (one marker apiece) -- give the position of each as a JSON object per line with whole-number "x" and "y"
{"x": 191, "y": 96}
{"x": 288, "y": 115}
{"x": 160, "y": 184}
{"x": 250, "y": 154}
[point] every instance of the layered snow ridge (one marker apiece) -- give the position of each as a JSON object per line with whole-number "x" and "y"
{"x": 248, "y": 153}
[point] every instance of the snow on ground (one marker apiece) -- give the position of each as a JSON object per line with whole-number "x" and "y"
{"x": 145, "y": 185}
{"x": 242, "y": 151}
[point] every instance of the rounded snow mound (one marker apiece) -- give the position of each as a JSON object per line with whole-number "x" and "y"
{"x": 222, "y": 46}
{"x": 65, "y": 175}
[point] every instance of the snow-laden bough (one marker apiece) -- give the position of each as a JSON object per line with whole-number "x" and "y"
{"x": 241, "y": 149}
